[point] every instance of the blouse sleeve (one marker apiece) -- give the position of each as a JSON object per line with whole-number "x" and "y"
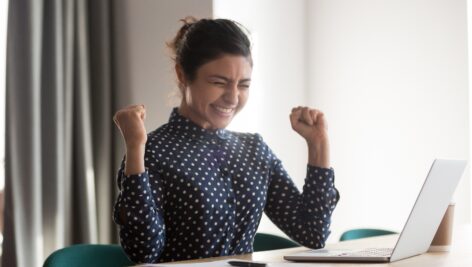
{"x": 306, "y": 216}
{"x": 139, "y": 214}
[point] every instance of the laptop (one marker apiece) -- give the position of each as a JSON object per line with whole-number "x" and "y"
{"x": 419, "y": 229}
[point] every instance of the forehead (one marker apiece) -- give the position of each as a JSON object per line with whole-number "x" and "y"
{"x": 230, "y": 66}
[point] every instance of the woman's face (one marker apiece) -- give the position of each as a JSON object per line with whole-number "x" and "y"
{"x": 219, "y": 91}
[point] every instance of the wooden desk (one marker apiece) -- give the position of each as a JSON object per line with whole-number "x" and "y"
{"x": 460, "y": 254}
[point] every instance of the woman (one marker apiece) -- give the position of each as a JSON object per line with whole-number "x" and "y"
{"x": 192, "y": 189}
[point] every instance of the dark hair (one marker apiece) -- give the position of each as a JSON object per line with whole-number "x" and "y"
{"x": 200, "y": 41}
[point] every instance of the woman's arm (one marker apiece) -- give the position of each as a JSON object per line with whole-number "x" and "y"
{"x": 138, "y": 209}
{"x": 305, "y": 217}
{"x": 139, "y": 214}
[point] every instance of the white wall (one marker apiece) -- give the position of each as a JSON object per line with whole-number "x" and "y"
{"x": 469, "y": 39}
{"x": 392, "y": 78}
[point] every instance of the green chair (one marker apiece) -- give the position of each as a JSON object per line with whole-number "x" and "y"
{"x": 364, "y": 232}
{"x": 263, "y": 242}
{"x": 88, "y": 255}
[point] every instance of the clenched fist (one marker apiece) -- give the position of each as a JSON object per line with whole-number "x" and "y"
{"x": 312, "y": 126}
{"x": 130, "y": 121}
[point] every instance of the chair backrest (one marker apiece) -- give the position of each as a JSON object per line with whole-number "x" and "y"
{"x": 88, "y": 255}
{"x": 263, "y": 242}
{"x": 364, "y": 232}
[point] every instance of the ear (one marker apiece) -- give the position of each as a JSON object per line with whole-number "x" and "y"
{"x": 180, "y": 76}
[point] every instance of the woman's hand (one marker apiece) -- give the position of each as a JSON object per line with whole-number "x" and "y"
{"x": 130, "y": 121}
{"x": 312, "y": 126}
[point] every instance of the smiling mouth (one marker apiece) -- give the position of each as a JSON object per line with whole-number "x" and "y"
{"x": 223, "y": 110}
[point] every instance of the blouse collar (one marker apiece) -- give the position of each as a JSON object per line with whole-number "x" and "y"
{"x": 182, "y": 124}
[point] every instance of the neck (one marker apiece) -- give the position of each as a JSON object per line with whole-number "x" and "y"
{"x": 186, "y": 112}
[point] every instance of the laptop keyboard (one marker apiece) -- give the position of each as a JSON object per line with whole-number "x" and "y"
{"x": 368, "y": 252}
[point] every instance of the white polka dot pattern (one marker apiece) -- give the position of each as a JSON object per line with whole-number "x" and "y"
{"x": 203, "y": 194}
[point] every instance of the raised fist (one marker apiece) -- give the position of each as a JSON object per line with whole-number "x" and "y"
{"x": 130, "y": 121}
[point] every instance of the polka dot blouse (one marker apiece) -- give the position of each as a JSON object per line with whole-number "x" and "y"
{"x": 204, "y": 191}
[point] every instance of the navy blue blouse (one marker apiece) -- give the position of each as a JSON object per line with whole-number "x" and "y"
{"x": 204, "y": 191}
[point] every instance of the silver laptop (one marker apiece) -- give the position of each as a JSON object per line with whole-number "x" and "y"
{"x": 419, "y": 229}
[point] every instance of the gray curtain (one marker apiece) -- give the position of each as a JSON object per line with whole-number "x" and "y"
{"x": 60, "y": 162}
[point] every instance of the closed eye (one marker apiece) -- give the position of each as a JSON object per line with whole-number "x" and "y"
{"x": 219, "y": 83}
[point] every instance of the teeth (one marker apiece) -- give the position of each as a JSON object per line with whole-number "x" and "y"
{"x": 225, "y": 110}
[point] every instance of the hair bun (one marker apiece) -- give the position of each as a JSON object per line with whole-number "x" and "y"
{"x": 176, "y": 43}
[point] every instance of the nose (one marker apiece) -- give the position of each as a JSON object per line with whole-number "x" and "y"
{"x": 231, "y": 95}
